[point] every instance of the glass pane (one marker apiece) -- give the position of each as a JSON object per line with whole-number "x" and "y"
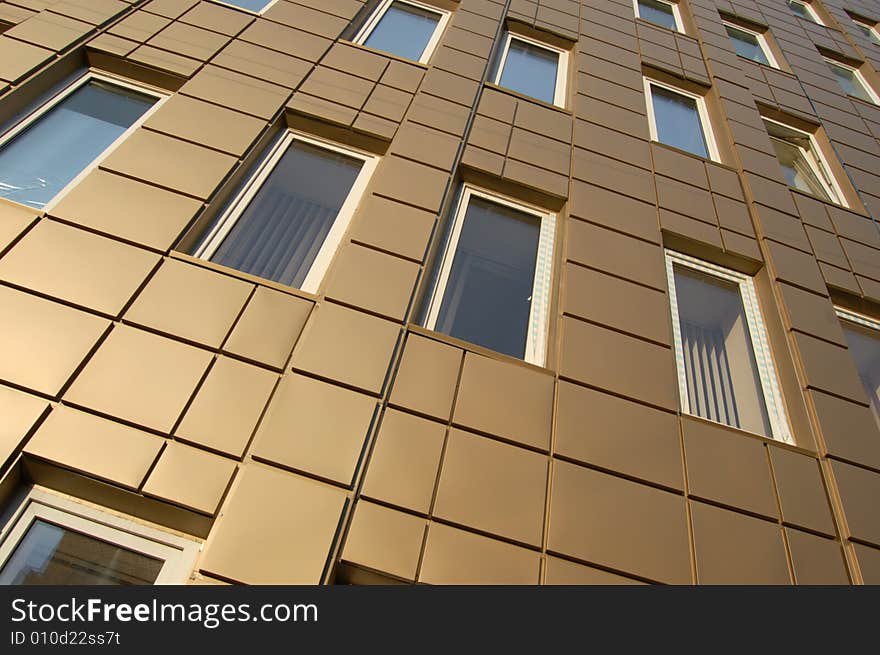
{"x": 488, "y": 296}
{"x": 530, "y": 70}
{"x": 797, "y": 170}
{"x": 659, "y": 13}
{"x": 864, "y": 346}
{"x": 678, "y": 121}
{"x": 799, "y": 9}
{"x": 253, "y": 5}
{"x": 281, "y": 231}
{"x": 52, "y": 555}
{"x": 723, "y": 382}
{"x": 747, "y": 45}
{"x": 849, "y": 82}
{"x": 404, "y": 30}
{"x": 41, "y": 160}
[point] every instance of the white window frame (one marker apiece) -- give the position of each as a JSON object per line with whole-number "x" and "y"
{"x": 561, "y": 90}
{"x": 810, "y": 10}
{"x": 702, "y": 111}
{"x": 539, "y": 313}
{"x": 223, "y": 226}
{"x": 858, "y": 75}
{"x": 676, "y": 14}
{"x": 816, "y": 159}
{"x": 779, "y": 426}
{"x": 178, "y": 553}
{"x": 858, "y": 319}
{"x": 250, "y": 11}
{"x": 383, "y": 8}
{"x": 88, "y": 76}
{"x": 873, "y": 34}
{"x": 762, "y": 41}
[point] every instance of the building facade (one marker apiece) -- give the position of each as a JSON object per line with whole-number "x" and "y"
{"x": 437, "y": 291}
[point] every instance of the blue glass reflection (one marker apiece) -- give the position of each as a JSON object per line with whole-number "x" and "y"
{"x": 530, "y": 70}
{"x": 678, "y": 121}
{"x": 404, "y": 30}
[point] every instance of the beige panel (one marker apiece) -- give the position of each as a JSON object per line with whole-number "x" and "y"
{"x": 74, "y": 265}
{"x": 236, "y": 91}
{"x": 801, "y": 491}
{"x": 734, "y": 548}
{"x": 19, "y": 411}
{"x": 456, "y": 557}
{"x": 859, "y": 491}
{"x": 315, "y": 427}
{"x": 226, "y": 409}
{"x": 563, "y": 572}
{"x": 14, "y": 218}
{"x": 869, "y": 563}
{"x": 170, "y": 163}
{"x": 427, "y": 377}
{"x": 96, "y": 446}
{"x": 493, "y": 487}
{"x": 190, "y": 477}
{"x": 394, "y": 227}
{"x": 255, "y": 543}
{"x": 128, "y": 209}
{"x": 41, "y": 342}
{"x": 727, "y": 467}
{"x": 268, "y": 327}
{"x": 405, "y": 460}
{"x": 346, "y": 345}
{"x": 616, "y": 434}
{"x": 191, "y": 302}
{"x": 619, "y": 524}
{"x": 817, "y": 561}
{"x": 509, "y": 400}
{"x": 140, "y": 377}
{"x": 385, "y": 540}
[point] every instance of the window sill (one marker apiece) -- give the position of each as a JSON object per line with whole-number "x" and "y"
{"x": 523, "y": 96}
{"x": 750, "y": 435}
{"x": 382, "y": 53}
{"x": 250, "y": 12}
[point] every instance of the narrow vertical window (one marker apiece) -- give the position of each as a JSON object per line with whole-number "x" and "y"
{"x": 54, "y": 541}
{"x": 863, "y": 337}
{"x": 405, "y": 28}
{"x": 679, "y": 119}
{"x": 869, "y": 29}
{"x": 750, "y": 44}
{"x": 493, "y": 285}
{"x": 288, "y": 219}
{"x": 662, "y": 13}
{"x": 802, "y": 162}
{"x": 725, "y": 369}
{"x": 852, "y": 82}
{"x": 533, "y": 69}
{"x": 63, "y": 139}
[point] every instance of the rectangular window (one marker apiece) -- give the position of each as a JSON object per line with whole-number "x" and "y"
{"x": 863, "y": 337}
{"x": 533, "y": 69}
{"x": 805, "y": 11}
{"x": 54, "y": 541}
{"x": 288, "y": 219}
{"x": 725, "y": 369}
{"x": 802, "y": 162}
{"x": 662, "y": 13}
{"x": 679, "y": 119}
{"x": 869, "y": 29}
{"x": 45, "y": 154}
{"x": 256, "y": 6}
{"x": 410, "y": 30}
{"x": 493, "y": 284}
{"x": 852, "y": 82}
{"x": 750, "y": 44}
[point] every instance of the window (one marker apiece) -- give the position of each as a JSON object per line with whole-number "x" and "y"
{"x": 660, "y": 12}
{"x": 802, "y": 162}
{"x": 679, "y": 119}
{"x": 407, "y": 29}
{"x": 750, "y": 44}
{"x": 55, "y": 146}
{"x": 804, "y": 10}
{"x": 493, "y": 284}
{"x": 863, "y": 337}
{"x": 533, "y": 69}
{"x": 725, "y": 370}
{"x": 868, "y": 28}
{"x": 852, "y": 82}
{"x": 256, "y": 6}
{"x": 54, "y": 541}
{"x": 288, "y": 219}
